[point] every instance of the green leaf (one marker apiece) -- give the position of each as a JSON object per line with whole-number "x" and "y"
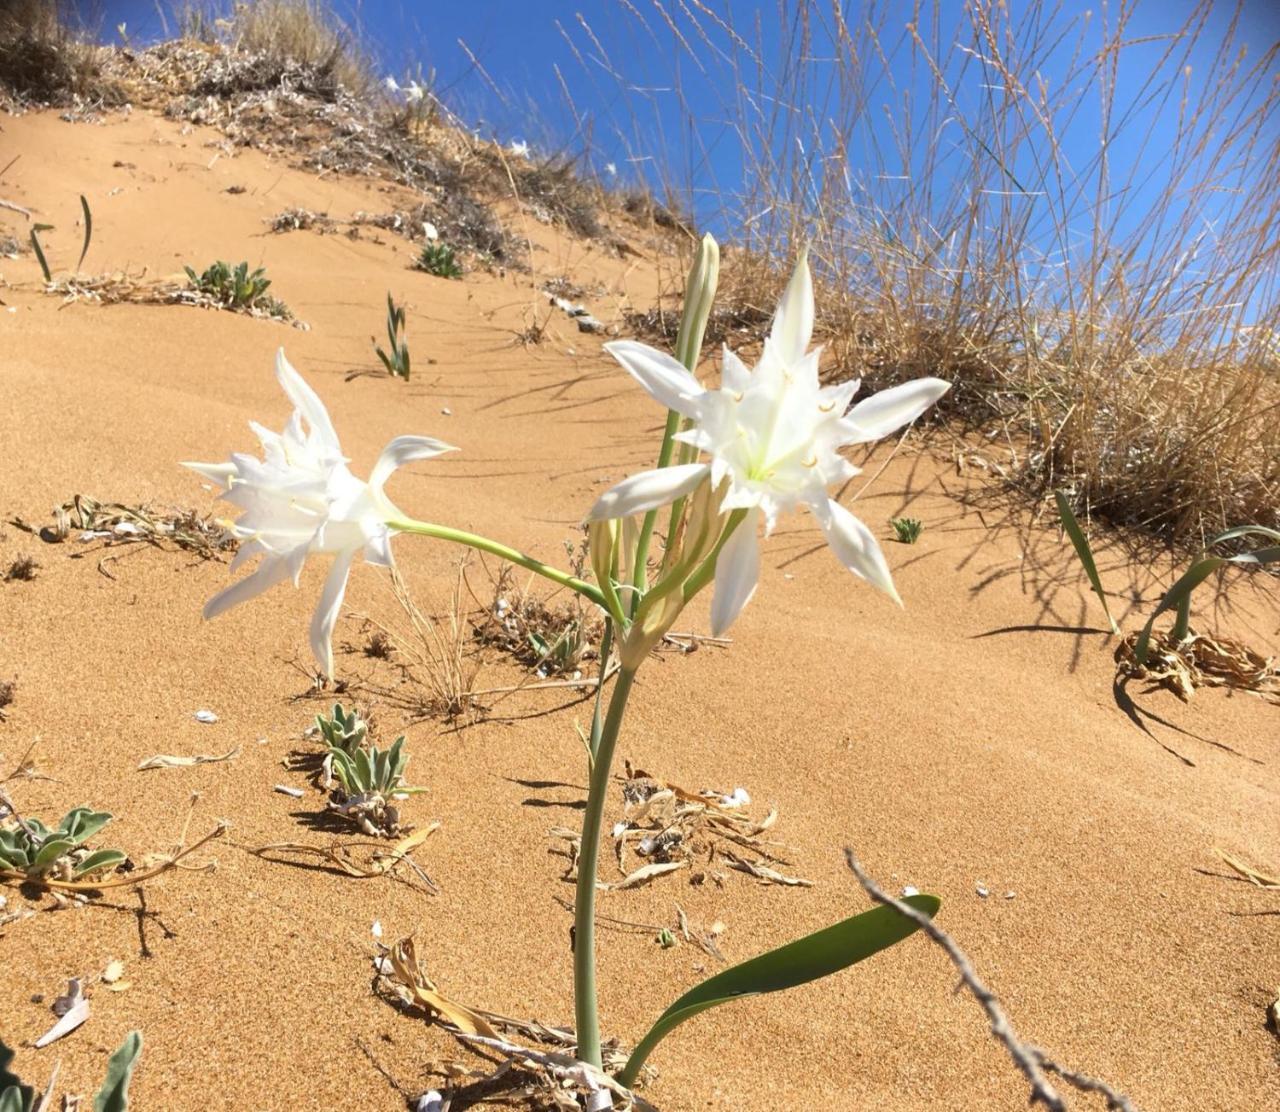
{"x": 81, "y": 824}
{"x": 88, "y": 230}
{"x": 51, "y": 851}
{"x": 1179, "y": 595}
{"x": 14, "y": 1095}
{"x": 99, "y": 860}
{"x": 816, "y": 955}
{"x": 35, "y": 246}
{"x": 1081, "y": 544}
{"x": 114, "y": 1094}
{"x": 1244, "y": 531}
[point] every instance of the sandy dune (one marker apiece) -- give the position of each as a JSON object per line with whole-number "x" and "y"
{"x": 971, "y": 739}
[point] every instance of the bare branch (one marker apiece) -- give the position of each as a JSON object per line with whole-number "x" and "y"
{"x": 1033, "y": 1062}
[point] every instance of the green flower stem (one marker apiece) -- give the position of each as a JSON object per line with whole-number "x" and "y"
{"x": 503, "y": 552}
{"x": 641, "y": 566}
{"x": 586, "y": 1011}
{"x": 597, "y": 719}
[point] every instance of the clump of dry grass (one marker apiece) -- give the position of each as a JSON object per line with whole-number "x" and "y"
{"x": 45, "y": 59}
{"x": 21, "y": 569}
{"x": 1112, "y": 306}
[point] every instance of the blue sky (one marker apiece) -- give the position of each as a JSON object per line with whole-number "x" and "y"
{"x": 618, "y": 86}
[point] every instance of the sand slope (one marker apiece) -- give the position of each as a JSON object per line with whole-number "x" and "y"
{"x": 972, "y": 738}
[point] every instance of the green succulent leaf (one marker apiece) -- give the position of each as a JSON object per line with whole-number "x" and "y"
{"x": 807, "y": 959}
{"x": 50, "y": 851}
{"x": 98, "y": 861}
{"x": 114, "y": 1094}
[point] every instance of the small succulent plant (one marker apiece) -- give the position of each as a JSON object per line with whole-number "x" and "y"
{"x": 345, "y": 730}
{"x": 32, "y": 848}
{"x": 907, "y": 528}
{"x": 439, "y": 259}
{"x": 369, "y": 779}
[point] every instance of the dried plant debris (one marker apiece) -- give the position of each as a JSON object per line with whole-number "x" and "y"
{"x": 1200, "y": 661}
{"x": 21, "y": 569}
{"x": 544, "y": 1076}
{"x": 115, "y": 523}
{"x": 552, "y": 636}
{"x": 300, "y": 220}
{"x": 670, "y": 828}
{"x": 1254, "y": 876}
{"x": 364, "y": 860}
{"x": 162, "y": 760}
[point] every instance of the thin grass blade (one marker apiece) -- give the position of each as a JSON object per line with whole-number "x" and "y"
{"x": 1081, "y": 545}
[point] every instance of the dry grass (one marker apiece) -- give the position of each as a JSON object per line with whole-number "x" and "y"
{"x": 1113, "y": 311}
{"x": 46, "y": 59}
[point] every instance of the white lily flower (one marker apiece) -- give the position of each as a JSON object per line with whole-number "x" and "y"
{"x": 611, "y": 168}
{"x": 775, "y": 434}
{"x": 519, "y": 148}
{"x": 393, "y": 86}
{"x": 430, "y": 231}
{"x": 302, "y": 499}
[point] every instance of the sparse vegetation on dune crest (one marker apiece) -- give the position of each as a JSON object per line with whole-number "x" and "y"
{"x": 1115, "y": 315}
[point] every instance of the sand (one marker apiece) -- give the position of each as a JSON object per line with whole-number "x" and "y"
{"x": 970, "y": 739}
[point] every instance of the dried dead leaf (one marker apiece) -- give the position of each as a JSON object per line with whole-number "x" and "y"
{"x": 75, "y": 1015}
{"x": 1252, "y": 875}
{"x": 410, "y": 973}
{"x": 643, "y": 874}
{"x": 163, "y": 760}
{"x": 762, "y": 872}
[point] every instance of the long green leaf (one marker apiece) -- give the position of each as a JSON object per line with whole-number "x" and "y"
{"x": 35, "y": 246}
{"x": 51, "y": 851}
{"x": 816, "y": 955}
{"x": 1244, "y": 531}
{"x": 114, "y": 1094}
{"x": 88, "y": 231}
{"x": 1179, "y": 595}
{"x": 1081, "y": 544}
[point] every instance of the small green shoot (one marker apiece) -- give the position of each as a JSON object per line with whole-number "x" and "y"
{"x": 1179, "y": 595}
{"x": 343, "y": 729}
{"x": 439, "y": 259}
{"x": 907, "y": 528}
{"x": 35, "y": 246}
{"x": 88, "y": 231}
{"x": 369, "y": 779}
{"x": 397, "y": 363}
{"x": 1085, "y": 553}
{"x": 665, "y": 938}
{"x": 31, "y": 848}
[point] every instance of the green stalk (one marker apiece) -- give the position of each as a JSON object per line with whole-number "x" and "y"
{"x": 586, "y": 1011}
{"x": 503, "y": 552}
{"x": 707, "y": 569}
{"x": 597, "y": 720}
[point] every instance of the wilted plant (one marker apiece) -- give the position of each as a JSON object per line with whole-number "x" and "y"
{"x": 236, "y": 287}
{"x": 343, "y": 729}
{"x": 370, "y": 778}
{"x": 907, "y": 529}
{"x": 31, "y": 848}
{"x": 439, "y": 259}
{"x": 397, "y": 363}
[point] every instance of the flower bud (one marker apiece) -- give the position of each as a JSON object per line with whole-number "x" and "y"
{"x": 699, "y": 294}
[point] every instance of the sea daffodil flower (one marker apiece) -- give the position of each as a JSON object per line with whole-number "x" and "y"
{"x": 302, "y": 499}
{"x": 774, "y": 434}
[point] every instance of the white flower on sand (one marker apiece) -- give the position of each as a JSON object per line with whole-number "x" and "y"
{"x": 393, "y": 86}
{"x": 519, "y": 148}
{"x": 430, "y": 231}
{"x": 774, "y": 434}
{"x": 301, "y": 499}
{"x": 415, "y": 92}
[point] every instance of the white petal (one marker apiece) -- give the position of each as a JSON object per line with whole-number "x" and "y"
{"x": 889, "y": 410}
{"x": 648, "y": 490}
{"x": 665, "y": 378}
{"x": 737, "y": 572}
{"x": 219, "y": 473}
{"x": 326, "y": 615}
{"x": 377, "y": 550}
{"x": 247, "y": 551}
{"x": 855, "y": 546}
{"x": 793, "y": 320}
{"x": 402, "y": 450}
{"x": 271, "y": 571}
{"x": 307, "y": 402}
{"x": 734, "y": 374}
